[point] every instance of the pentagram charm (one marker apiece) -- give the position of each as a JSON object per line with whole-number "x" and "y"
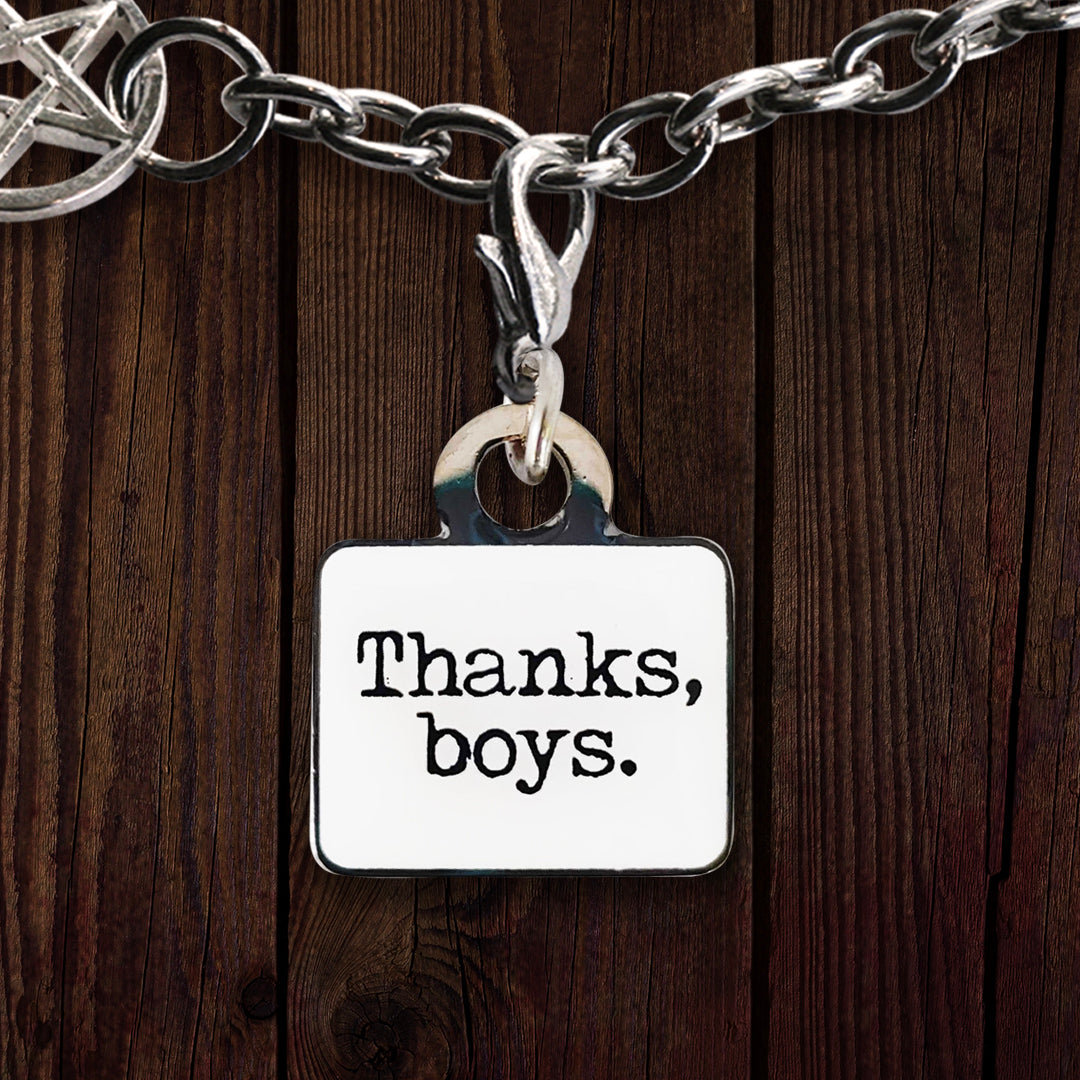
{"x": 64, "y": 110}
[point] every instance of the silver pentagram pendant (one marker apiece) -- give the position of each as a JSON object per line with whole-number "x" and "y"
{"x": 64, "y": 110}
{"x": 550, "y": 701}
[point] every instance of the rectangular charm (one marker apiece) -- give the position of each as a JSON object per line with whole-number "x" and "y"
{"x": 550, "y": 701}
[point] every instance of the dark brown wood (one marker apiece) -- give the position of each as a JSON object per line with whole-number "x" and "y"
{"x": 909, "y": 286}
{"x": 1037, "y": 956}
{"x": 139, "y": 605}
{"x": 849, "y": 352}
{"x": 494, "y": 978}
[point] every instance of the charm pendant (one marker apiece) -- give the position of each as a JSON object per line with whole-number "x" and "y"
{"x": 64, "y": 110}
{"x": 553, "y": 701}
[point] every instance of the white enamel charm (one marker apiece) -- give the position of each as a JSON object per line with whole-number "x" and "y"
{"x": 550, "y": 701}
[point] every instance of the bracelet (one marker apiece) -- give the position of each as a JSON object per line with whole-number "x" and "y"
{"x": 121, "y": 131}
{"x": 534, "y": 738}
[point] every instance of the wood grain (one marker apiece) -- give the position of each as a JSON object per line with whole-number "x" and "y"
{"x": 489, "y": 978}
{"x": 1037, "y": 953}
{"x": 909, "y": 286}
{"x": 139, "y": 569}
{"x": 848, "y": 352}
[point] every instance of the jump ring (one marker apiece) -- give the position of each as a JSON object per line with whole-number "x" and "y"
{"x": 530, "y": 455}
{"x": 472, "y": 120}
{"x": 622, "y": 121}
{"x": 241, "y": 93}
{"x": 121, "y": 91}
{"x": 391, "y": 157}
{"x": 856, "y": 46}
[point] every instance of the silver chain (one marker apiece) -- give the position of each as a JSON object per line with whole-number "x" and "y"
{"x": 941, "y": 43}
{"x": 532, "y": 285}
{"x": 122, "y": 129}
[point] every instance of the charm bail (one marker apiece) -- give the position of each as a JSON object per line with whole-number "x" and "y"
{"x": 530, "y": 455}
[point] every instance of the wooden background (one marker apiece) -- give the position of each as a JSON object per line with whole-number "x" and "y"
{"x": 849, "y": 352}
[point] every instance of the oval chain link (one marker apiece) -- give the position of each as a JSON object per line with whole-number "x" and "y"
{"x": 388, "y": 156}
{"x": 978, "y": 22}
{"x": 942, "y": 42}
{"x": 704, "y": 107}
{"x": 854, "y": 48}
{"x": 241, "y": 94}
{"x": 1040, "y": 16}
{"x": 622, "y": 121}
{"x": 818, "y": 88}
{"x": 441, "y": 120}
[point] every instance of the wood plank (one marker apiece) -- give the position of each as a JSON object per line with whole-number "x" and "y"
{"x": 139, "y": 599}
{"x": 908, "y": 292}
{"x": 483, "y": 977}
{"x": 1038, "y": 960}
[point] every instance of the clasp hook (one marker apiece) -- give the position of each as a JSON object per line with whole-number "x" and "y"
{"x": 533, "y": 293}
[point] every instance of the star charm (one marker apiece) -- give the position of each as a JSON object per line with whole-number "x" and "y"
{"x": 62, "y": 109}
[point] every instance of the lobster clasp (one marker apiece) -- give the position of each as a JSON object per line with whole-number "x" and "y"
{"x": 532, "y": 286}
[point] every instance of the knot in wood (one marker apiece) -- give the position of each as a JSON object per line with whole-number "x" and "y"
{"x": 386, "y": 1034}
{"x": 258, "y": 999}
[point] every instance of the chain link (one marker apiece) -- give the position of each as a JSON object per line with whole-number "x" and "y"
{"x": 391, "y": 157}
{"x": 942, "y": 42}
{"x": 1042, "y": 15}
{"x": 854, "y": 48}
{"x": 622, "y": 121}
{"x": 241, "y": 94}
{"x": 468, "y": 119}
